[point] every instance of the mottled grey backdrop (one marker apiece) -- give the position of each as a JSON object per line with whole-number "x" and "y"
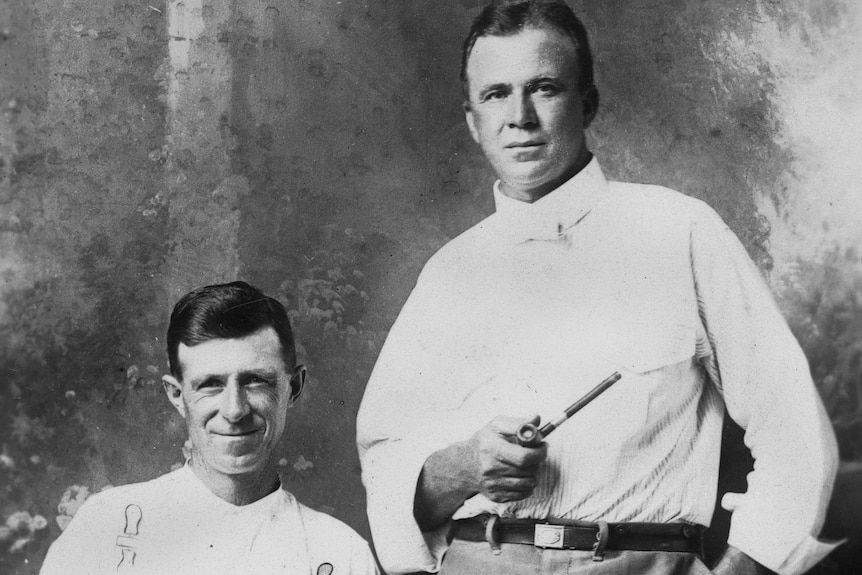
{"x": 317, "y": 149}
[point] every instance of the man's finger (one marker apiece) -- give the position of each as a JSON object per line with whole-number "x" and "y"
{"x": 509, "y": 490}
{"x": 515, "y": 484}
{"x": 511, "y": 471}
{"x": 508, "y": 426}
{"x": 514, "y": 455}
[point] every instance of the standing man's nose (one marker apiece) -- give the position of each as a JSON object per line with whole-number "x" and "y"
{"x": 522, "y": 111}
{"x": 234, "y": 402}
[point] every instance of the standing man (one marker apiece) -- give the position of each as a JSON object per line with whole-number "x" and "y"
{"x": 233, "y": 378}
{"x": 575, "y": 277}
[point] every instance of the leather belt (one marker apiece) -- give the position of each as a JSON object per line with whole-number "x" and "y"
{"x": 581, "y": 535}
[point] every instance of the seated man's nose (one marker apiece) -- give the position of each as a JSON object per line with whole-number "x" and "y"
{"x": 234, "y": 403}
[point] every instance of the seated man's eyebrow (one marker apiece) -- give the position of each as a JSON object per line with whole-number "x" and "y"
{"x": 263, "y": 373}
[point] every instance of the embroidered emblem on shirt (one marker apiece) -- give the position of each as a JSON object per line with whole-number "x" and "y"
{"x": 128, "y": 540}
{"x": 325, "y": 569}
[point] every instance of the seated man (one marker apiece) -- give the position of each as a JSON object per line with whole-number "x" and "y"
{"x": 233, "y": 377}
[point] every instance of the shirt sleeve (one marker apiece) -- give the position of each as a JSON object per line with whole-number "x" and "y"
{"x": 395, "y": 434}
{"x": 764, "y": 377}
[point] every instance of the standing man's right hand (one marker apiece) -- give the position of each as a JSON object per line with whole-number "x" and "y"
{"x": 490, "y": 462}
{"x": 505, "y": 470}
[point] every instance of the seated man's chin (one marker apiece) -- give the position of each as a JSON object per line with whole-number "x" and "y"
{"x": 240, "y": 464}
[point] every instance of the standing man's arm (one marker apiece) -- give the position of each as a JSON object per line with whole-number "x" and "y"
{"x": 417, "y": 466}
{"x": 764, "y": 378}
{"x": 396, "y": 434}
{"x": 490, "y": 462}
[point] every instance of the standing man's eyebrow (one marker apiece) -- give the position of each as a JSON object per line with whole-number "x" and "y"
{"x": 546, "y": 80}
{"x": 493, "y": 88}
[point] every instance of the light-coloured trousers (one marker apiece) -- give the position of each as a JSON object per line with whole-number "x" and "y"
{"x": 476, "y": 558}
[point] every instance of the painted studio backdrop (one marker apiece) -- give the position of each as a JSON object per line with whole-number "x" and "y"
{"x": 317, "y": 149}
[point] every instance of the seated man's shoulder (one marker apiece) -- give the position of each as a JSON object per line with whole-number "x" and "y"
{"x": 319, "y": 524}
{"x": 331, "y": 541}
{"x": 143, "y": 493}
{"x": 98, "y": 527}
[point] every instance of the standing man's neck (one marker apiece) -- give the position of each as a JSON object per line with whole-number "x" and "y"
{"x": 238, "y": 489}
{"x": 531, "y": 195}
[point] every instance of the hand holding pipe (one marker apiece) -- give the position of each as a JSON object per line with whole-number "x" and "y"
{"x": 529, "y": 435}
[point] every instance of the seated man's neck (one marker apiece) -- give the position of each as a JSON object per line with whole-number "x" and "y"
{"x": 238, "y": 489}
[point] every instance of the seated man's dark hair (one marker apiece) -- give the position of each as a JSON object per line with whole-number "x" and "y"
{"x": 226, "y": 311}
{"x": 508, "y": 17}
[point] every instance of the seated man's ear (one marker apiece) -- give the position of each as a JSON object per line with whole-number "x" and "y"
{"x": 591, "y": 106}
{"x": 174, "y": 389}
{"x": 297, "y": 382}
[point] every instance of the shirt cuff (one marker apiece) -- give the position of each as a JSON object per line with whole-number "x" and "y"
{"x": 390, "y": 473}
{"x": 780, "y": 548}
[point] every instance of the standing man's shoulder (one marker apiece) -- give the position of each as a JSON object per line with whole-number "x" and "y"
{"x": 658, "y": 202}
{"x": 467, "y": 249}
{"x": 663, "y": 215}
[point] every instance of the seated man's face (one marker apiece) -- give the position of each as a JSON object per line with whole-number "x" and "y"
{"x": 234, "y": 396}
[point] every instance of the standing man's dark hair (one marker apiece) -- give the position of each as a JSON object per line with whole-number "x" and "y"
{"x": 508, "y": 17}
{"x": 226, "y": 311}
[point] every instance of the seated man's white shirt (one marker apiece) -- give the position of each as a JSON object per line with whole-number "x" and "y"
{"x": 175, "y": 524}
{"x": 531, "y": 308}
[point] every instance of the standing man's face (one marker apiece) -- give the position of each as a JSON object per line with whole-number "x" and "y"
{"x": 234, "y": 396}
{"x": 525, "y": 109}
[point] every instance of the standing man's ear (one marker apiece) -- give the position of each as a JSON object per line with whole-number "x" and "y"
{"x": 471, "y": 121}
{"x": 174, "y": 389}
{"x": 591, "y": 106}
{"x": 297, "y": 382}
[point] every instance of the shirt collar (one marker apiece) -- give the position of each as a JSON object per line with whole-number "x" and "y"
{"x": 550, "y": 217}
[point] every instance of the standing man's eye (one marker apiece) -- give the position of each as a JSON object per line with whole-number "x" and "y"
{"x": 495, "y": 95}
{"x": 545, "y": 89}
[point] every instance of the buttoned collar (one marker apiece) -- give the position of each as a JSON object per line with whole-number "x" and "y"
{"x": 551, "y": 217}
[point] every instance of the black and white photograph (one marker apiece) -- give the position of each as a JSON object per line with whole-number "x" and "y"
{"x": 468, "y": 287}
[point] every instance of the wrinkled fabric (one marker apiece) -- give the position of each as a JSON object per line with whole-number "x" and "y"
{"x": 532, "y": 307}
{"x": 472, "y": 558}
{"x": 174, "y": 524}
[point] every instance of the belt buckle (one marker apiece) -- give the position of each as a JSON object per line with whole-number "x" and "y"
{"x": 549, "y": 536}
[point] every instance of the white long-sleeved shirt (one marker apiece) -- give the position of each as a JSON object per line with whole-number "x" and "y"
{"x": 532, "y": 307}
{"x": 175, "y": 524}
